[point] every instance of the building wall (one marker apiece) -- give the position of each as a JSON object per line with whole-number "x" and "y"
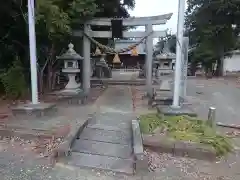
{"x": 231, "y": 64}
{"x": 120, "y": 44}
{"x": 128, "y": 60}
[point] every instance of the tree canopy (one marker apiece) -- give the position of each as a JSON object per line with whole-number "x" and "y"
{"x": 170, "y": 39}
{"x": 213, "y": 29}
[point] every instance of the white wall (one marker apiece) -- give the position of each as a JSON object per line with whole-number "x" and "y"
{"x": 231, "y": 64}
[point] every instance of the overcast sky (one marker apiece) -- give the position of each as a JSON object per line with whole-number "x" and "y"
{"x": 158, "y": 7}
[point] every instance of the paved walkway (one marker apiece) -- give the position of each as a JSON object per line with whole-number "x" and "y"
{"x": 225, "y": 97}
{"x": 106, "y": 142}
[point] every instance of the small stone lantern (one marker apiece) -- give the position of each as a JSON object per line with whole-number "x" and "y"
{"x": 165, "y": 60}
{"x": 102, "y": 61}
{"x": 102, "y": 69}
{"x": 71, "y": 68}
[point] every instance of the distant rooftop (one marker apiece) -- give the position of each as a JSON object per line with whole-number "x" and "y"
{"x": 166, "y": 54}
{"x": 124, "y": 43}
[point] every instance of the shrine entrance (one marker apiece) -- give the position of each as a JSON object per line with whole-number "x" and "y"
{"x": 145, "y": 37}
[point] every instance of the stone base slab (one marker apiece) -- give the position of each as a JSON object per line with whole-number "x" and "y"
{"x": 34, "y": 110}
{"x": 72, "y": 98}
{"x": 169, "y": 111}
{"x": 70, "y": 91}
{"x": 179, "y": 148}
{"x": 110, "y": 81}
{"x": 161, "y": 98}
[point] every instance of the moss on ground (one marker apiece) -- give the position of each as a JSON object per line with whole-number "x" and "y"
{"x": 185, "y": 128}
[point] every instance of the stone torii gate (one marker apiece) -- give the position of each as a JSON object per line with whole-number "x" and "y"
{"x": 148, "y": 22}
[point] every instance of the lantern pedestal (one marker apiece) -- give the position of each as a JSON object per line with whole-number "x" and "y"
{"x": 72, "y": 84}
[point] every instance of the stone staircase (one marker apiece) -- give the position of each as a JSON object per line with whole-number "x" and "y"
{"x": 105, "y": 144}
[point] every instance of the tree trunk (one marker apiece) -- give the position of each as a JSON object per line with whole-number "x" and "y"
{"x": 219, "y": 69}
{"x": 208, "y": 72}
{"x": 193, "y": 69}
{"x": 54, "y": 79}
{"x": 49, "y": 76}
{"x": 41, "y": 82}
{"x": 50, "y": 68}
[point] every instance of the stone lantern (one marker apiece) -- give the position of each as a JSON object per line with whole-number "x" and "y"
{"x": 71, "y": 68}
{"x": 102, "y": 69}
{"x": 165, "y": 61}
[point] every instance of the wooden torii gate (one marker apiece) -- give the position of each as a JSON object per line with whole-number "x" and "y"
{"x": 148, "y": 22}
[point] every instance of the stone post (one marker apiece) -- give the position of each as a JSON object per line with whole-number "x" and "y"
{"x": 211, "y": 117}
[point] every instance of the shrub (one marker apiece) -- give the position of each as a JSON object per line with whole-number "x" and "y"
{"x": 14, "y": 81}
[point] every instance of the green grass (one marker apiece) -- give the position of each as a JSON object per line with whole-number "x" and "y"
{"x": 186, "y": 129}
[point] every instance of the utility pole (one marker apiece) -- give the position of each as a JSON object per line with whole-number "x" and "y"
{"x": 179, "y": 46}
{"x": 32, "y": 50}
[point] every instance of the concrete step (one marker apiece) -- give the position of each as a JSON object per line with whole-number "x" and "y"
{"x": 109, "y": 128}
{"x": 102, "y": 148}
{"x": 111, "y": 123}
{"x": 118, "y": 120}
{"x": 101, "y": 162}
{"x": 163, "y": 93}
{"x": 162, "y": 98}
{"x": 105, "y": 136}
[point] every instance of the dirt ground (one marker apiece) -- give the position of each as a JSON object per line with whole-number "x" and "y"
{"x": 32, "y": 148}
{"x": 220, "y": 93}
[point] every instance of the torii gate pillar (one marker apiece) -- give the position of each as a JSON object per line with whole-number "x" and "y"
{"x": 86, "y": 62}
{"x": 149, "y": 61}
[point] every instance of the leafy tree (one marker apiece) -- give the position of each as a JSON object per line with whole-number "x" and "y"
{"x": 209, "y": 25}
{"x": 170, "y": 40}
{"x": 54, "y": 23}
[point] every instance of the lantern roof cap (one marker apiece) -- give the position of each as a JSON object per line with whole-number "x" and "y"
{"x": 71, "y": 54}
